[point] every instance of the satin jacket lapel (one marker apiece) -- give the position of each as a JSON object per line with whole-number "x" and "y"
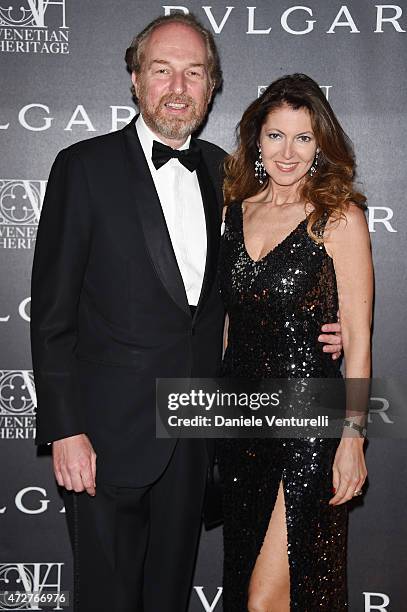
{"x": 152, "y": 218}
{"x": 213, "y": 222}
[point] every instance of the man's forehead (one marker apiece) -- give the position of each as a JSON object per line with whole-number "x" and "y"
{"x": 176, "y": 38}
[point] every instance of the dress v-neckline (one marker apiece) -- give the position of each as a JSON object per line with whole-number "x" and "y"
{"x": 277, "y": 246}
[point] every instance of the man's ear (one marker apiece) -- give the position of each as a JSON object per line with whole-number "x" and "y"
{"x": 134, "y": 80}
{"x": 210, "y": 93}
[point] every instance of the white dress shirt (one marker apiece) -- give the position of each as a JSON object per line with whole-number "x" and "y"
{"x": 181, "y": 202}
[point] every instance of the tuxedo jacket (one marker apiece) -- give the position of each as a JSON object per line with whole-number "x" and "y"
{"x": 109, "y": 312}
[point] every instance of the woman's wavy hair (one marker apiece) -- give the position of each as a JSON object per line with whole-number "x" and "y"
{"x": 331, "y": 188}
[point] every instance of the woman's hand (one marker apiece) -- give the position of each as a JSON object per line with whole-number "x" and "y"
{"x": 349, "y": 469}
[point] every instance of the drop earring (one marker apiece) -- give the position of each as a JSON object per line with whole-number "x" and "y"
{"x": 259, "y": 169}
{"x": 313, "y": 168}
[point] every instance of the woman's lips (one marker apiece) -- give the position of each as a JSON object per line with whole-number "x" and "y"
{"x": 286, "y": 167}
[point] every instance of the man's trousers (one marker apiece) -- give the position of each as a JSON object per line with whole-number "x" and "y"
{"x": 135, "y": 548}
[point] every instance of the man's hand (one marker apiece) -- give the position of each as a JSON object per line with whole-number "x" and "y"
{"x": 332, "y": 339}
{"x": 75, "y": 463}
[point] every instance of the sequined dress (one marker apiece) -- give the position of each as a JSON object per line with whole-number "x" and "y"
{"x": 276, "y": 307}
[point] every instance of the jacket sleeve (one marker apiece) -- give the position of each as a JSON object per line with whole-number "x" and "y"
{"x": 60, "y": 260}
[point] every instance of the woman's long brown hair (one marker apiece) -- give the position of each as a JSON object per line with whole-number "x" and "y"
{"x": 331, "y": 188}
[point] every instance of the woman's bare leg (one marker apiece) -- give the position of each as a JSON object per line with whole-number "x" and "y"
{"x": 269, "y": 589}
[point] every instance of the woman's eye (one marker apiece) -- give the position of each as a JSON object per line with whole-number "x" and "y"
{"x": 305, "y": 138}
{"x": 274, "y": 135}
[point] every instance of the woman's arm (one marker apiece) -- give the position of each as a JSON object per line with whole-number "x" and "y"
{"x": 348, "y": 243}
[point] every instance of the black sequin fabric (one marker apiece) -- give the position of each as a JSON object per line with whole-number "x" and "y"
{"x": 276, "y": 307}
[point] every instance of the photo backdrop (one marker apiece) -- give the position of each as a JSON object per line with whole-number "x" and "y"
{"x": 63, "y": 79}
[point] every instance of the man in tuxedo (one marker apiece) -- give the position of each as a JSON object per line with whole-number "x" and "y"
{"x": 124, "y": 292}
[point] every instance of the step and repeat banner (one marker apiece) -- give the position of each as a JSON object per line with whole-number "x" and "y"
{"x": 63, "y": 79}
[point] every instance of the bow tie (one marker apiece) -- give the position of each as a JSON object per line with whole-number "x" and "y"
{"x": 187, "y": 157}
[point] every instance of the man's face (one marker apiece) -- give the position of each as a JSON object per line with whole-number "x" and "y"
{"x": 173, "y": 87}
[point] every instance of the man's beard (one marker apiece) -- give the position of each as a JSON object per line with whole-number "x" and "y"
{"x": 173, "y": 128}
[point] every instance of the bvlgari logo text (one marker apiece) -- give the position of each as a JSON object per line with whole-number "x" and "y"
{"x": 302, "y": 20}
{"x": 34, "y": 26}
{"x": 37, "y": 117}
{"x": 209, "y": 604}
{"x": 31, "y": 500}
{"x": 23, "y": 310}
{"x": 377, "y": 602}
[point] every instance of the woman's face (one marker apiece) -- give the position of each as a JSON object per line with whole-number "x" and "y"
{"x": 288, "y": 145}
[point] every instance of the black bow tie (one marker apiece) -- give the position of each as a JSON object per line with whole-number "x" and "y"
{"x": 187, "y": 157}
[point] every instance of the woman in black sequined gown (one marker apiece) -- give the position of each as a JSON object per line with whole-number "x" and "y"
{"x": 284, "y": 261}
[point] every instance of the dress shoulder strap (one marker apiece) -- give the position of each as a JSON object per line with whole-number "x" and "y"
{"x": 319, "y": 226}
